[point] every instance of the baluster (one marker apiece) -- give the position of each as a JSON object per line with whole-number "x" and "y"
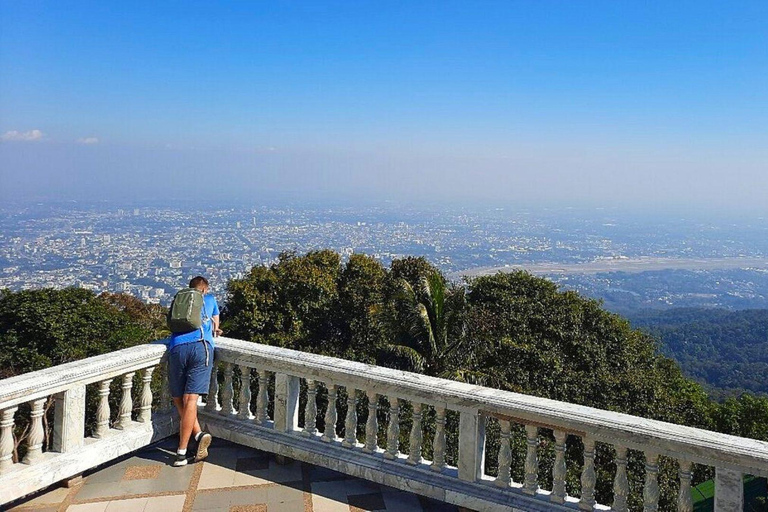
{"x": 651, "y": 489}
{"x": 393, "y": 429}
{"x": 438, "y": 443}
{"x": 166, "y": 402}
{"x": 227, "y": 407}
{"x": 588, "y": 476}
{"x": 372, "y": 424}
{"x": 684, "y": 500}
{"x": 350, "y": 422}
{"x": 126, "y": 403}
{"x": 620, "y": 482}
{"x": 212, "y": 400}
{"x": 262, "y": 399}
{"x": 531, "y": 483}
{"x": 416, "y": 438}
{"x": 329, "y": 434}
{"x": 102, "y": 411}
{"x": 559, "y": 469}
{"x": 36, "y": 435}
{"x": 504, "y": 477}
{"x": 244, "y": 412}
{"x": 145, "y": 410}
{"x": 6, "y": 437}
{"x": 310, "y": 411}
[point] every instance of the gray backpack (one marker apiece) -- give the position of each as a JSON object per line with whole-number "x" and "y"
{"x": 186, "y": 311}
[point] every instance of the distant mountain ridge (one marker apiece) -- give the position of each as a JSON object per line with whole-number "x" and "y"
{"x": 725, "y": 350}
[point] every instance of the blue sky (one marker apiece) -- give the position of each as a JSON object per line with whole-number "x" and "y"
{"x": 639, "y": 103}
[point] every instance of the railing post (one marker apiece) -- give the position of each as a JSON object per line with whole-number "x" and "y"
{"x": 372, "y": 423}
{"x": 559, "y": 469}
{"x": 36, "y": 434}
{"x": 212, "y": 400}
{"x": 145, "y": 410}
{"x": 393, "y": 429}
{"x": 471, "y": 444}
{"x": 166, "y": 402}
{"x": 102, "y": 410}
{"x": 620, "y": 482}
{"x": 684, "y": 498}
{"x": 6, "y": 437}
{"x": 729, "y": 489}
{"x": 438, "y": 443}
{"x": 228, "y": 392}
{"x": 416, "y": 437}
{"x": 310, "y": 410}
{"x": 350, "y": 422}
{"x": 504, "y": 477}
{"x": 262, "y": 398}
{"x": 329, "y": 434}
{"x": 244, "y": 412}
{"x": 286, "y": 402}
{"x": 69, "y": 419}
{"x": 588, "y": 475}
{"x": 651, "y": 489}
{"x": 126, "y": 403}
{"x": 531, "y": 483}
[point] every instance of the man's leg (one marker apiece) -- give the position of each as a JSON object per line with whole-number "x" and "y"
{"x": 179, "y": 403}
{"x": 189, "y": 423}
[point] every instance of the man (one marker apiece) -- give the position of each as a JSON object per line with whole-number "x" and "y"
{"x": 190, "y": 360}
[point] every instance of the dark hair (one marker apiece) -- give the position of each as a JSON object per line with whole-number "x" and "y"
{"x": 197, "y": 281}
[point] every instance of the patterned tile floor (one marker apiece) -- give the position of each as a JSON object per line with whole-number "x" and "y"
{"x": 234, "y": 478}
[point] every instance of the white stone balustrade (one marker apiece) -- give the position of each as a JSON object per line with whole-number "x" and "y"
{"x": 466, "y": 484}
{"x": 68, "y": 451}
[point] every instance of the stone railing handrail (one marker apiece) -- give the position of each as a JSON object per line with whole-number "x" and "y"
{"x": 693, "y": 444}
{"x": 31, "y": 386}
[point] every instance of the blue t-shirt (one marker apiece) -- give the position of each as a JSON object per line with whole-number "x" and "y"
{"x": 210, "y": 308}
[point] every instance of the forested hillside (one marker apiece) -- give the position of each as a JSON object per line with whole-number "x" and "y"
{"x": 725, "y": 350}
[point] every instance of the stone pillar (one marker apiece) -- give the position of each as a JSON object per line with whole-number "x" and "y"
{"x": 126, "y": 403}
{"x": 729, "y": 490}
{"x": 416, "y": 437}
{"x": 471, "y": 445}
{"x": 559, "y": 469}
{"x": 684, "y": 498}
{"x": 620, "y": 482}
{"x": 438, "y": 443}
{"x": 329, "y": 434}
{"x": 69, "y": 419}
{"x": 228, "y": 392}
{"x": 244, "y": 409}
{"x": 262, "y": 398}
{"x": 350, "y": 422}
{"x": 372, "y": 424}
{"x": 393, "y": 429}
{"x": 6, "y": 437}
{"x": 588, "y": 475}
{"x": 286, "y": 402}
{"x": 310, "y": 411}
{"x": 36, "y": 435}
{"x": 504, "y": 477}
{"x": 102, "y": 410}
{"x": 145, "y": 410}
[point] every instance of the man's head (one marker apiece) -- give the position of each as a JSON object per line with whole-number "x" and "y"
{"x": 199, "y": 283}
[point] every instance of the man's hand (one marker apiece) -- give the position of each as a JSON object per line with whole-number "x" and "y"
{"x": 218, "y": 332}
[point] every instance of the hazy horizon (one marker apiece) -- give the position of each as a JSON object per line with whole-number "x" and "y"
{"x": 641, "y": 107}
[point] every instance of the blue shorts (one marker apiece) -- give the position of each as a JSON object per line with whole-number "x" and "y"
{"x": 188, "y": 372}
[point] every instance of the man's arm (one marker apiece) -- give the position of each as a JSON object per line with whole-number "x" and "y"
{"x": 216, "y": 331}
